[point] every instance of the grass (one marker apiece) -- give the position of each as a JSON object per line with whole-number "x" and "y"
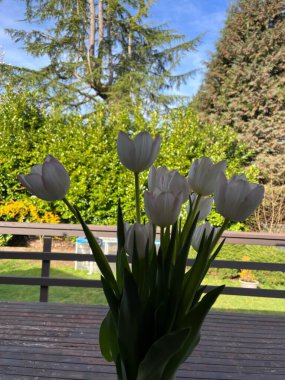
{"x": 268, "y": 280}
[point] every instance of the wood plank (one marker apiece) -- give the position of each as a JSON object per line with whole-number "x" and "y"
{"x": 61, "y": 229}
{"x": 61, "y": 342}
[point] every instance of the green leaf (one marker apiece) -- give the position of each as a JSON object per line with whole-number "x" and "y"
{"x": 130, "y": 326}
{"x": 156, "y": 359}
{"x": 185, "y": 350}
{"x": 195, "y": 276}
{"x": 108, "y": 338}
{"x": 99, "y": 256}
{"x": 193, "y": 322}
{"x": 111, "y": 297}
{"x": 120, "y": 228}
{"x": 121, "y": 259}
{"x": 197, "y": 314}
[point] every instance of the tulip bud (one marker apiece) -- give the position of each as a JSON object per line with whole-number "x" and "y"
{"x": 163, "y": 180}
{"x": 203, "y": 175}
{"x": 163, "y": 208}
{"x": 237, "y": 199}
{"x": 198, "y": 234}
{"x": 144, "y": 235}
{"x": 138, "y": 154}
{"x": 49, "y": 181}
{"x": 204, "y": 207}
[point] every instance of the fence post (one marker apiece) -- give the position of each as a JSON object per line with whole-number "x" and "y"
{"x": 45, "y": 268}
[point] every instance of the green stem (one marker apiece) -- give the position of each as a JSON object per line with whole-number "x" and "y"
{"x": 219, "y": 234}
{"x": 137, "y": 197}
{"x": 196, "y": 205}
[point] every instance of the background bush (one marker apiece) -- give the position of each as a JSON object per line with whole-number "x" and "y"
{"x": 87, "y": 148}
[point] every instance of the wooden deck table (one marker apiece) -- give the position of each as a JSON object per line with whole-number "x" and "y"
{"x": 51, "y": 341}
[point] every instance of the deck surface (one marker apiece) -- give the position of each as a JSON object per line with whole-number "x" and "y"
{"x": 51, "y": 341}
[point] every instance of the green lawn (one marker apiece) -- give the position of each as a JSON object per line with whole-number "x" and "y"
{"x": 96, "y": 296}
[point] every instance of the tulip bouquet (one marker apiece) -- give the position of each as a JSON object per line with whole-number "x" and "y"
{"x": 156, "y": 303}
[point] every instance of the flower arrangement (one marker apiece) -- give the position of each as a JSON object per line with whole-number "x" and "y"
{"x": 156, "y": 304}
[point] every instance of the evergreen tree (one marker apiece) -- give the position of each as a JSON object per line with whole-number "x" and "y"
{"x": 245, "y": 83}
{"x": 100, "y": 49}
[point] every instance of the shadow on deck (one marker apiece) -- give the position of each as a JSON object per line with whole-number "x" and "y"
{"x": 50, "y": 341}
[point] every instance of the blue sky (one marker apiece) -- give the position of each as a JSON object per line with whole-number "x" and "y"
{"x": 189, "y": 17}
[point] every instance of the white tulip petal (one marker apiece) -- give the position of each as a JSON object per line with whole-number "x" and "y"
{"x": 149, "y": 205}
{"x": 152, "y": 178}
{"x": 192, "y": 173}
{"x": 237, "y": 199}
{"x": 24, "y": 182}
{"x": 220, "y": 191}
{"x": 251, "y": 202}
{"x": 198, "y": 234}
{"x": 34, "y": 183}
{"x": 141, "y": 235}
{"x": 220, "y": 167}
{"x": 205, "y": 206}
{"x": 203, "y": 175}
{"x": 235, "y": 193}
{"x": 37, "y": 169}
{"x": 126, "y": 151}
{"x": 55, "y": 178}
{"x": 143, "y": 145}
{"x": 154, "y": 151}
{"x": 178, "y": 183}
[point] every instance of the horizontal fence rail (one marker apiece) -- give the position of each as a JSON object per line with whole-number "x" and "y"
{"x": 48, "y": 231}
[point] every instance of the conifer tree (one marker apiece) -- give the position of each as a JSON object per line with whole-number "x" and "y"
{"x": 245, "y": 83}
{"x": 100, "y": 49}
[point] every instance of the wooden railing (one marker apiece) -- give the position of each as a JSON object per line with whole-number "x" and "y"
{"x": 48, "y": 231}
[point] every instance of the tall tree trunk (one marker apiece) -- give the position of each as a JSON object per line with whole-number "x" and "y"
{"x": 100, "y": 22}
{"x": 91, "y": 48}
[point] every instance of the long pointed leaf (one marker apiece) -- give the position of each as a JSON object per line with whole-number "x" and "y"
{"x": 193, "y": 322}
{"x": 108, "y": 338}
{"x": 99, "y": 256}
{"x": 130, "y": 327}
{"x": 155, "y": 361}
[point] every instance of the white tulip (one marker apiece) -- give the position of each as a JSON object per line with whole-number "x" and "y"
{"x": 163, "y": 208}
{"x": 144, "y": 235}
{"x": 203, "y": 175}
{"x": 198, "y": 234}
{"x": 204, "y": 207}
{"x": 49, "y": 181}
{"x": 138, "y": 154}
{"x": 164, "y": 180}
{"x": 237, "y": 199}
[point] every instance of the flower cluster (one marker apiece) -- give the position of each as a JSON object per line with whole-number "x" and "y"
{"x": 157, "y": 290}
{"x": 235, "y": 199}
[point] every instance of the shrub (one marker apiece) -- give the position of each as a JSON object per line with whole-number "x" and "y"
{"x": 87, "y": 148}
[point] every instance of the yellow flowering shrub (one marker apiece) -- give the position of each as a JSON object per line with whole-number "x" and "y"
{"x": 25, "y": 211}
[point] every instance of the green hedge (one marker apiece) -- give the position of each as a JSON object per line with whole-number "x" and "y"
{"x": 87, "y": 148}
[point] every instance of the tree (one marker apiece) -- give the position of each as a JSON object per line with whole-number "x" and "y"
{"x": 245, "y": 83}
{"x": 100, "y": 49}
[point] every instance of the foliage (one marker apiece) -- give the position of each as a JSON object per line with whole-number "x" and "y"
{"x": 25, "y": 210}
{"x": 244, "y": 86}
{"x": 99, "y": 49}
{"x": 270, "y": 216}
{"x": 87, "y": 148}
{"x": 185, "y": 136}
